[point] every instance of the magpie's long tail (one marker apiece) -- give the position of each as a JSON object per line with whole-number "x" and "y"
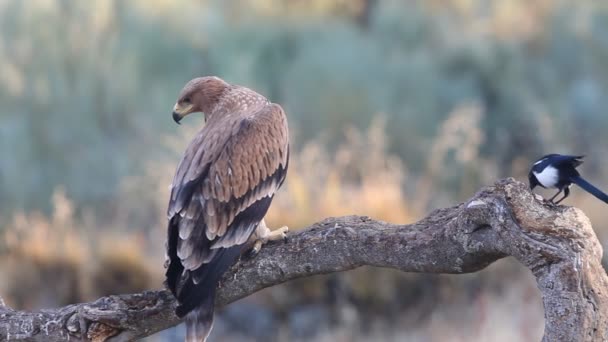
{"x": 590, "y": 188}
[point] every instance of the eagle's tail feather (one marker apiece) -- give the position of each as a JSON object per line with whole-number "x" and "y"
{"x": 590, "y": 188}
{"x": 200, "y": 320}
{"x": 196, "y": 297}
{"x": 201, "y": 283}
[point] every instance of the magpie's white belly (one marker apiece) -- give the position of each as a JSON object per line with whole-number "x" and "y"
{"x": 547, "y": 177}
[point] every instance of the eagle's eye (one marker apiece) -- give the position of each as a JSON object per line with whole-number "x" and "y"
{"x": 186, "y": 100}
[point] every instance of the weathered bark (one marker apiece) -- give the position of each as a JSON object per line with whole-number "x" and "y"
{"x": 556, "y": 243}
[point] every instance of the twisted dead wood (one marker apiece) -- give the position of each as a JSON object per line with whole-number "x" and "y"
{"x": 556, "y": 243}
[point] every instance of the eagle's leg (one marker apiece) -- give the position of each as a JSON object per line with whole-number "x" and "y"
{"x": 263, "y": 234}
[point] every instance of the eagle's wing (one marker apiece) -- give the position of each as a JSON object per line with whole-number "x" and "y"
{"x": 222, "y": 189}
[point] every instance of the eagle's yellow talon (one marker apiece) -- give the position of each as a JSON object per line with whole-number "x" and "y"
{"x": 278, "y": 234}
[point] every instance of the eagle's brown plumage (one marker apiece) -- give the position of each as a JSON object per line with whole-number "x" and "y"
{"x": 221, "y": 191}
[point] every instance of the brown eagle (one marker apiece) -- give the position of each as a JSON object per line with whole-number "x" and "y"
{"x": 221, "y": 191}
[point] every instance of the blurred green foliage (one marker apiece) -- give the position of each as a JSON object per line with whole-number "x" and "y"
{"x": 86, "y": 87}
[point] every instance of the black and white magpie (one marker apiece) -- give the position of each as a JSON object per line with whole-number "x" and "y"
{"x": 559, "y": 172}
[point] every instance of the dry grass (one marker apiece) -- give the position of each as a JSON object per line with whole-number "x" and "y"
{"x": 359, "y": 178}
{"x": 62, "y": 259}
{"x": 85, "y": 257}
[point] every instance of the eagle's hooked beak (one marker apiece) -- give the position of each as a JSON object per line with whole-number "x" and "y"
{"x": 180, "y": 112}
{"x": 176, "y": 118}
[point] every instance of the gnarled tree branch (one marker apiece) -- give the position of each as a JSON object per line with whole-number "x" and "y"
{"x": 556, "y": 243}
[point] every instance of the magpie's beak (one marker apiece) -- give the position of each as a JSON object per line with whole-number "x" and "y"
{"x": 177, "y": 118}
{"x": 532, "y": 181}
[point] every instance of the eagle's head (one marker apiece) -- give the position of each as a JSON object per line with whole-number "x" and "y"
{"x": 198, "y": 95}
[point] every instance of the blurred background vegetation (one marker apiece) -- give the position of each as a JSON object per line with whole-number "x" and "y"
{"x": 396, "y": 107}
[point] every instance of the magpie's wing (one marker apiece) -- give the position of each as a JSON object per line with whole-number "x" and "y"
{"x": 560, "y": 160}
